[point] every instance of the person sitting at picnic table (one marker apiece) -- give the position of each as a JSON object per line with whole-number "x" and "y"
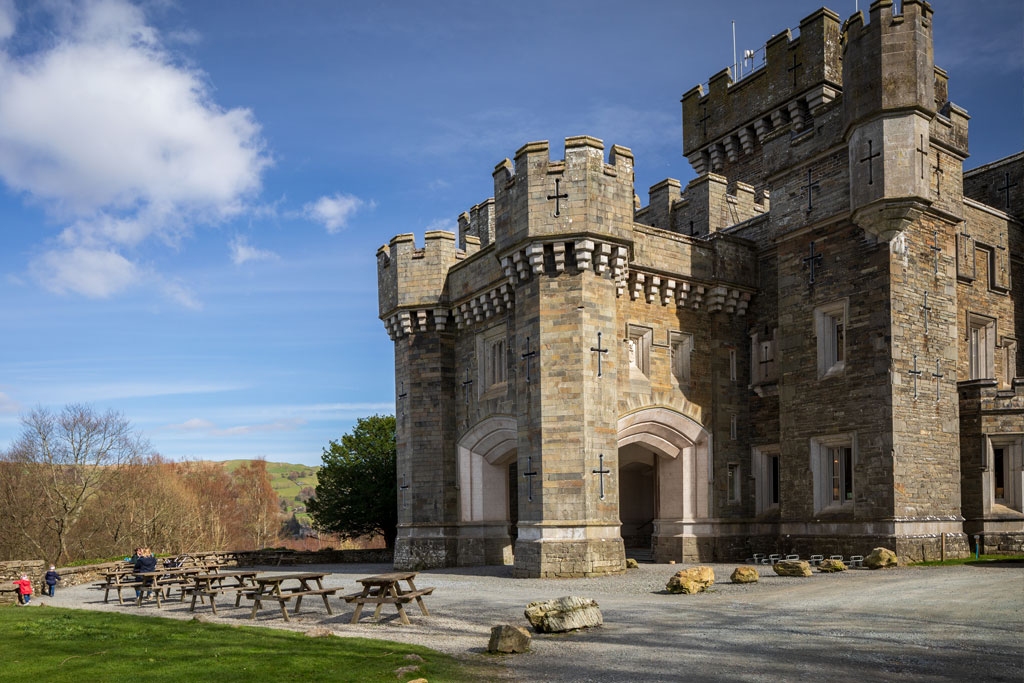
{"x": 24, "y": 589}
{"x": 146, "y": 562}
{"x": 52, "y": 577}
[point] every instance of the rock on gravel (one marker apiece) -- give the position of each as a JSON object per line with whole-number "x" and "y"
{"x": 509, "y": 638}
{"x": 692, "y": 580}
{"x": 880, "y": 558}
{"x": 744, "y": 575}
{"x": 632, "y": 564}
{"x": 792, "y": 568}
{"x": 563, "y": 614}
{"x": 829, "y": 566}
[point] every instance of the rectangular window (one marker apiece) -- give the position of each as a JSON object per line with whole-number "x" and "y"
{"x": 773, "y": 481}
{"x": 492, "y": 358}
{"x": 765, "y": 461}
{"x": 833, "y": 460}
{"x": 639, "y": 340}
{"x": 681, "y": 346}
{"x": 733, "y": 427}
{"x": 981, "y": 340}
{"x": 830, "y": 323}
{"x": 842, "y": 474}
{"x": 733, "y": 482}
{"x": 999, "y": 473}
{"x": 496, "y": 362}
{"x": 732, "y": 364}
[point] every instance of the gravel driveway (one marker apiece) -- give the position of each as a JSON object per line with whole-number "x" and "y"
{"x": 936, "y": 623}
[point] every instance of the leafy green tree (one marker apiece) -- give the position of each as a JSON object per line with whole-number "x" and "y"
{"x": 356, "y": 494}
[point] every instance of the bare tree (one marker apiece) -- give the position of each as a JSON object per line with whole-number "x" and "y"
{"x": 60, "y": 463}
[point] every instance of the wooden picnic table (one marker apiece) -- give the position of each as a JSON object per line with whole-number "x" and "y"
{"x": 386, "y": 589}
{"x": 117, "y": 580}
{"x": 162, "y": 581}
{"x": 268, "y": 587}
{"x": 209, "y": 586}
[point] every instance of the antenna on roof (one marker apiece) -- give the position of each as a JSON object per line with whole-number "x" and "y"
{"x": 735, "y": 75}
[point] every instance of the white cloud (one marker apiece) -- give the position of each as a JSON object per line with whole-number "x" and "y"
{"x": 334, "y": 211}
{"x": 180, "y": 294}
{"x": 443, "y": 224}
{"x": 193, "y": 425}
{"x": 96, "y": 273}
{"x": 8, "y": 19}
{"x": 119, "y": 141}
{"x": 242, "y": 251}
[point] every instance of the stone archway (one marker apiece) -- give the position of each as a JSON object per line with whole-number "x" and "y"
{"x": 485, "y": 454}
{"x": 677, "y": 449}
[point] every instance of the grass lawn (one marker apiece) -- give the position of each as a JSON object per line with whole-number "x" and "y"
{"x": 54, "y": 644}
{"x": 984, "y": 559}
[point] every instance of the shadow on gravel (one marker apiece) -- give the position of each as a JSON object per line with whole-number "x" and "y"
{"x": 1013, "y": 564}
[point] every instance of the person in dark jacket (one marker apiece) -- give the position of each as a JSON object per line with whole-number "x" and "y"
{"x": 52, "y": 577}
{"x": 146, "y": 562}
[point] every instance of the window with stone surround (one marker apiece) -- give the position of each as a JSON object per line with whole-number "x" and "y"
{"x": 681, "y": 348}
{"x": 981, "y": 331}
{"x": 765, "y": 461}
{"x": 1006, "y": 485}
{"x": 492, "y": 352}
{"x": 732, "y": 365}
{"x": 639, "y": 340}
{"x": 1009, "y": 362}
{"x": 733, "y": 482}
{"x": 833, "y": 460}
{"x": 762, "y": 357}
{"x": 830, "y": 323}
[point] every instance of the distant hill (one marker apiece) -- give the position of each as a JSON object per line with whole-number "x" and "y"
{"x": 293, "y": 484}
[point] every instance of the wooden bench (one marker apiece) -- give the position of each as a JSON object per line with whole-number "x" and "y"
{"x": 285, "y": 597}
{"x": 107, "y": 586}
{"x": 211, "y": 595}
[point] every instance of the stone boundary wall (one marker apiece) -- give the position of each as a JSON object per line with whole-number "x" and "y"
{"x": 12, "y": 570}
{"x": 269, "y": 557}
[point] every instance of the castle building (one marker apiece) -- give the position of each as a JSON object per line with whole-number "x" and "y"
{"x": 813, "y": 347}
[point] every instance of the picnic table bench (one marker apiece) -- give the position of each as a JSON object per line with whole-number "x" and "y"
{"x": 386, "y": 589}
{"x": 268, "y": 587}
{"x": 209, "y": 586}
{"x": 117, "y": 580}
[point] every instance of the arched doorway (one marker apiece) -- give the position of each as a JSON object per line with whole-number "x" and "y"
{"x": 663, "y": 469}
{"x": 487, "y": 493}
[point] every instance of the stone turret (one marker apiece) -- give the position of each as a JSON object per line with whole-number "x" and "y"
{"x": 889, "y": 81}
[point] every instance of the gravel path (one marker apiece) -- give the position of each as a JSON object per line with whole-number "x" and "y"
{"x": 942, "y": 623}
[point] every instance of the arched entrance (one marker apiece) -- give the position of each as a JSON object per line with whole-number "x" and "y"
{"x": 663, "y": 485}
{"x": 487, "y": 492}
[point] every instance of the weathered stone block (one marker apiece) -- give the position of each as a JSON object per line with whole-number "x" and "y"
{"x": 509, "y": 638}
{"x": 880, "y": 558}
{"x": 792, "y": 568}
{"x": 563, "y": 614}
{"x": 744, "y": 575}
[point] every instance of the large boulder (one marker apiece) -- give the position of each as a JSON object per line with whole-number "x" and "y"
{"x": 792, "y": 568}
{"x": 509, "y": 638}
{"x": 829, "y": 566}
{"x": 563, "y": 614}
{"x": 692, "y": 580}
{"x": 880, "y": 558}
{"x": 744, "y": 575}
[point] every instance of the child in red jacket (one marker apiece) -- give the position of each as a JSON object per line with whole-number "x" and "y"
{"x": 24, "y": 589}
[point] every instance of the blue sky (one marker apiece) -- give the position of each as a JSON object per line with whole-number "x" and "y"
{"x": 192, "y": 193}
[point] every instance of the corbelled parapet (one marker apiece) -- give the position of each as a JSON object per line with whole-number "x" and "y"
{"x": 704, "y": 207}
{"x": 411, "y": 282}
{"x": 799, "y": 76}
{"x": 888, "y": 64}
{"x": 537, "y": 198}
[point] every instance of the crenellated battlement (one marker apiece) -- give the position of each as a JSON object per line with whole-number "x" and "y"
{"x": 411, "y": 281}
{"x": 537, "y": 197}
{"x": 870, "y": 51}
{"x": 799, "y": 76}
{"x": 703, "y": 207}
{"x": 478, "y": 222}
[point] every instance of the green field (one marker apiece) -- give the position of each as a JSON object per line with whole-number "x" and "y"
{"x": 288, "y": 481}
{"x": 54, "y": 644}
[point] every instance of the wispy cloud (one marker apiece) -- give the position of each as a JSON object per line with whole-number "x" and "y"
{"x": 209, "y": 428}
{"x": 194, "y": 425}
{"x": 334, "y": 211}
{"x": 8, "y": 405}
{"x": 243, "y": 252}
{"x": 71, "y": 393}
